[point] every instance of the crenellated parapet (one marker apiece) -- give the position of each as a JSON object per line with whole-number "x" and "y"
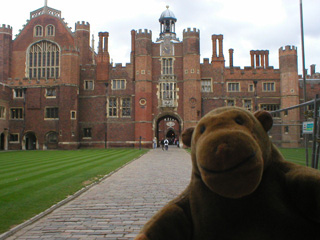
{"x": 6, "y": 29}
{"x": 140, "y": 34}
{"x": 82, "y": 26}
{"x": 288, "y": 50}
{"x": 194, "y": 33}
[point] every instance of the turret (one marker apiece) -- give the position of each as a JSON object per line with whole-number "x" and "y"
{"x": 5, "y": 52}
{"x": 289, "y": 91}
{"x": 82, "y": 31}
{"x": 143, "y": 85}
{"x": 191, "y": 41}
{"x": 191, "y": 77}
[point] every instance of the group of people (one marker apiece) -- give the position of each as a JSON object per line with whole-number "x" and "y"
{"x": 165, "y": 143}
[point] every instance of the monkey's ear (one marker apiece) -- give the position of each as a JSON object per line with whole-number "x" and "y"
{"x": 265, "y": 119}
{"x": 187, "y": 136}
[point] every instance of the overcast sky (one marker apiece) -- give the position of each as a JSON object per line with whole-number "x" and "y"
{"x": 246, "y": 24}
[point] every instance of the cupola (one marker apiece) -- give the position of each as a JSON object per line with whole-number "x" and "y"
{"x": 167, "y": 24}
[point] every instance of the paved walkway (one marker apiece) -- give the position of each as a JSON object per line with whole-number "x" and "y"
{"x": 120, "y": 205}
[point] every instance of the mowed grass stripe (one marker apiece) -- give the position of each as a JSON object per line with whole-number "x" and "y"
{"x": 48, "y": 189}
{"x": 296, "y": 155}
{"x": 53, "y": 177}
{"x": 28, "y": 158}
{"x": 47, "y": 164}
{"x": 31, "y": 161}
{"x": 52, "y": 172}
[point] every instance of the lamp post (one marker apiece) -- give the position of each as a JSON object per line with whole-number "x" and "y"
{"x": 106, "y": 120}
{"x": 304, "y": 79}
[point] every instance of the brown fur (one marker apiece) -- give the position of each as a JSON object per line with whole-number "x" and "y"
{"x": 241, "y": 187}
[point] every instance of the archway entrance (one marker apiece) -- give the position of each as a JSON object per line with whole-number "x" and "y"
{"x": 30, "y": 141}
{"x": 2, "y": 139}
{"x": 168, "y": 126}
{"x": 171, "y": 136}
{"x": 52, "y": 140}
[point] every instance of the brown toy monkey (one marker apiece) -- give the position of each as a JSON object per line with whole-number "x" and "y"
{"x": 241, "y": 187}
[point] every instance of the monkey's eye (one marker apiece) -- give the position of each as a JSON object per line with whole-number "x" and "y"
{"x": 202, "y": 129}
{"x": 239, "y": 120}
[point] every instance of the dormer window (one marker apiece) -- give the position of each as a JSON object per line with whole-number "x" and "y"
{"x": 50, "y": 30}
{"x": 38, "y": 31}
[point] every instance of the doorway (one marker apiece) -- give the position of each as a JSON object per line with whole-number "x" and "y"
{"x": 168, "y": 126}
{"x": 31, "y": 141}
{"x": 2, "y": 139}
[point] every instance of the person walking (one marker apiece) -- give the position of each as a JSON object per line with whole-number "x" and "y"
{"x": 154, "y": 143}
{"x": 166, "y": 144}
{"x": 162, "y": 144}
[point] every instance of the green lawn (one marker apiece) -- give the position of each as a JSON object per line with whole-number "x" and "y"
{"x": 296, "y": 155}
{"x": 32, "y": 181}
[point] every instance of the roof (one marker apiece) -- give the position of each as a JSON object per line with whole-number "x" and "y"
{"x": 167, "y": 14}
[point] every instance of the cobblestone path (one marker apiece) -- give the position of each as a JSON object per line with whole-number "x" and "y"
{"x": 121, "y": 204}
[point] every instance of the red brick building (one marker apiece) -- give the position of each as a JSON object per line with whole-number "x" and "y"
{"x": 57, "y": 92}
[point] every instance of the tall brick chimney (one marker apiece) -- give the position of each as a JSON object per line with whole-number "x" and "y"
{"x": 312, "y": 69}
{"x": 231, "y": 58}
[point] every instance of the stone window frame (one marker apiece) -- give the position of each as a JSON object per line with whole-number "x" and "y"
{"x": 128, "y": 107}
{"x": 50, "y": 30}
{"x": 268, "y": 86}
{"x": 286, "y": 129}
{"x": 167, "y": 65}
{"x": 244, "y": 104}
{"x": 52, "y": 92}
{"x": 17, "y": 136}
{"x": 231, "y": 89}
{"x": 17, "y": 116}
{"x": 87, "y": 133}
{"x": 270, "y": 107}
{"x": 43, "y": 60}
{"x": 18, "y": 93}
{"x": 203, "y": 86}
{"x": 251, "y": 88}
{"x": 118, "y": 84}
{"x": 114, "y": 108}
{"x": 55, "y": 113}
{"x": 86, "y": 85}
{"x": 3, "y": 112}
{"x": 229, "y": 101}
{"x": 73, "y": 115}
{"x": 38, "y": 31}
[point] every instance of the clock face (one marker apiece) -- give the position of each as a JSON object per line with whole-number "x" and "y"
{"x": 166, "y": 47}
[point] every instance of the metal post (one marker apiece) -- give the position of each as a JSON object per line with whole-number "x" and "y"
{"x": 140, "y": 142}
{"x": 315, "y": 131}
{"x": 303, "y": 75}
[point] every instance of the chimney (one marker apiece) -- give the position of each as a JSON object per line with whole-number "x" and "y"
{"x": 231, "y": 57}
{"x": 312, "y": 69}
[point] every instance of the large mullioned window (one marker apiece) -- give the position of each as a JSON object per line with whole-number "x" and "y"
{"x": 167, "y": 66}
{"x": 43, "y": 60}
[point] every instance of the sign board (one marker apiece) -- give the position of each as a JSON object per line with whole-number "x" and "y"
{"x": 307, "y": 127}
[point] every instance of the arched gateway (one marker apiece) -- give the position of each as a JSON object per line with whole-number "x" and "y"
{"x": 168, "y": 125}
